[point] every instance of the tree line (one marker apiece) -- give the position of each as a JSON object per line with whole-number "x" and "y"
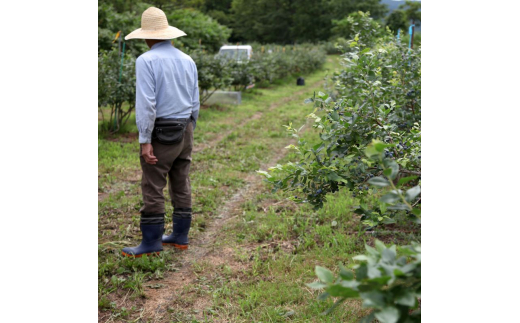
{"x": 267, "y": 21}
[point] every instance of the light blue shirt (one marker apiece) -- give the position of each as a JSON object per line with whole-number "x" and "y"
{"x": 166, "y": 87}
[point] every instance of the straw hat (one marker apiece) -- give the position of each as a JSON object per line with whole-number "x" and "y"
{"x": 154, "y": 25}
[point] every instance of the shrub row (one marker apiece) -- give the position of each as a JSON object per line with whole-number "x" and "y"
{"x": 265, "y": 66}
{"x": 370, "y": 144}
{"x": 215, "y": 73}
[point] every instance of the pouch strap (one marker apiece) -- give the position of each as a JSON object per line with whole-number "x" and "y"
{"x": 167, "y": 119}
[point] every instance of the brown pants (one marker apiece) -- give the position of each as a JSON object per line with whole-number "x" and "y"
{"x": 173, "y": 161}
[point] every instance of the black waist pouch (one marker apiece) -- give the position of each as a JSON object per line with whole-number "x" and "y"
{"x": 169, "y": 131}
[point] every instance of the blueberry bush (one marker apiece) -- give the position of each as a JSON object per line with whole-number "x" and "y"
{"x": 213, "y": 73}
{"x": 265, "y": 67}
{"x": 369, "y": 125}
{"x": 376, "y": 96}
{"x": 116, "y": 87}
{"x": 386, "y": 282}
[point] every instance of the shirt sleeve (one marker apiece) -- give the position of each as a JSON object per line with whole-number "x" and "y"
{"x": 145, "y": 110}
{"x": 196, "y": 100}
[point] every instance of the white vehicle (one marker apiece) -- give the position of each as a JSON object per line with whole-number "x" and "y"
{"x": 239, "y": 53}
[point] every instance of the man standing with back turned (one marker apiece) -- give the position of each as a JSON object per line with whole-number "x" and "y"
{"x": 167, "y": 108}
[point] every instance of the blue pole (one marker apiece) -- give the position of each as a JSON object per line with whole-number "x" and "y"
{"x": 398, "y": 34}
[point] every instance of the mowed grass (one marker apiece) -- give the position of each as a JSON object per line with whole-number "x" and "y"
{"x": 274, "y": 244}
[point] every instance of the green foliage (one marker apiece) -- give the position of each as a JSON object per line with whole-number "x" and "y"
{"x": 194, "y": 23}
{"x": 388, "y": 284}
{"x": 110, "y": 21}
{"x": 213, "y": 74}
{"x": 242, "y": 73}
{"x": 120, "y": 97}
{"x": 335, "y": 45}
{"x": 267, "y": 21}
{"x": 376, "y": 97}
{"x": 397, "y": 20}
{"x": 217, "y": 72}
{"x": 360, "y": 26}
{"x": 273, "y": 62}
{"x": 403, "y": 17}
{"x": 198, "y": 26}
{"x": 116, "y": 87}
{"x": 289, "y": 21}
{"x": 412, "y": 10}
{"x": 400, "y": 192}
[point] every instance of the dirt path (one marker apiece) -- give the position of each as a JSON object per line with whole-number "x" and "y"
{"x": 159, "y": 301}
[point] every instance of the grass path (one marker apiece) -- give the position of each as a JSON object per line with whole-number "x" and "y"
{"x": 202, "y": 248}
{"x": 252, "y": 251}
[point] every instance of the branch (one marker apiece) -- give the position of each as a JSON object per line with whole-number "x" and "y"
{"x": 102, "y": 115}
{"x": 207, "y": 96}
{"x": 419, "y": 200}
{"x": 410, "y": 172}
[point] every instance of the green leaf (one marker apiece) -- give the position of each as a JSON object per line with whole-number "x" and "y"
{"x": 388, "y": 314}
{"x": 323, "y": 296}
{"x": 374, "y": 299}
{"x": 380, "y": 246}
{"x": 405, "y": 180}
{"x": 382, "y": 280}
{"x": 288, "y": 313}
{"x": 334, "y": 115}
{"x": 417, "y": 211}
{"x": 362, "y": 272}
{"x": 382, "y": 207}
{"x": 373, "y": 272}
{"x": 371, "y": 151}
{"x": 389, "y": 255}
{"x": 262, "y": 172}
{"x": 317, "y": 285}
{"x": 389, "y": 221}
{"x": 371, "y": 251}
{"x": 360, "y": 258}
{"x": 340, "y": 291}
{"x": 392, "y": 170}
{"x": 335, "y": 177}
{"x": 399, "y": 206}
{"x": 368, "y": 319}
{"x": 324, "y": 274}
{"x": 379, "y": 146}
{"x": 407, "y": 299}
{"x": 412, "y": 193}
{"x": 378, "y": 181}
{"x": 390, "y": 198}
{"x": 345, "y": 273}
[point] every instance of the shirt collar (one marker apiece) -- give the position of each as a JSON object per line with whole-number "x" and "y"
{"x": 168, "y": 41}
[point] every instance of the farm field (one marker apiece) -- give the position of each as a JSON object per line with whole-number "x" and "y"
{"x": 252, "y": 251}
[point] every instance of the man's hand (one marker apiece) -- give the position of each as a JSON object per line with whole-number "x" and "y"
{"x": 147, "y": 153}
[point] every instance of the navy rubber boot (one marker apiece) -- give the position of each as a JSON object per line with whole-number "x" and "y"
{"x": 152, "y": 229}
{"x": 181, "y": 227}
